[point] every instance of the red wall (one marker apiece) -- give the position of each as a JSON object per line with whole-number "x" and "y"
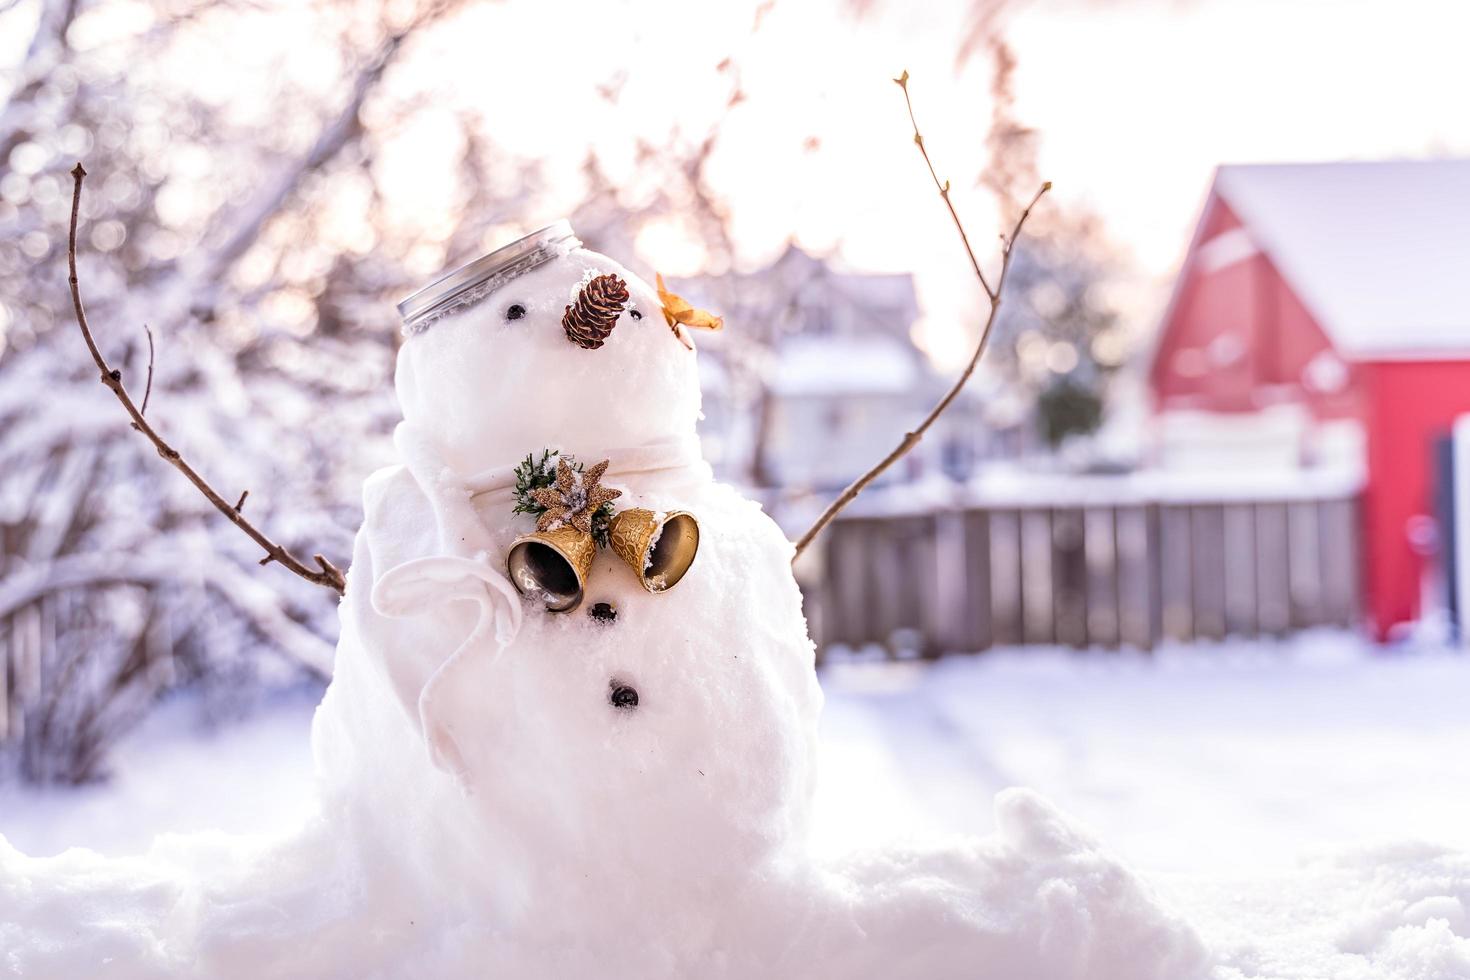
{"x": 1250, "y": 299}
{"x": 1410, "y": 403}
{"x": 1205, "y": 307}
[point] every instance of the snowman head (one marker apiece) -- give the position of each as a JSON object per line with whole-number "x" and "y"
{"x": 489, "y": 371}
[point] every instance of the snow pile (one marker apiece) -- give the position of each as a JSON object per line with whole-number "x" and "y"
{"x": 483, "y": 803}
{"x": 1039, "y": 899}
{"x": 1212, "y": 769}
{"x": 1391, "y": 912}
{"x": 1413, "y": 914}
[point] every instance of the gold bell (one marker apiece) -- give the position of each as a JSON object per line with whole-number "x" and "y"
{"x": 658, "y": 547}
{"x": 552, "y": 566}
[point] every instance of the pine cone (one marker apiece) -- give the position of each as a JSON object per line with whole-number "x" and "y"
{"x": 592, "y": 317}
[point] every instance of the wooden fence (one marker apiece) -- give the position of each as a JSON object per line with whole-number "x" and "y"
{"x": 1129, "y": 573}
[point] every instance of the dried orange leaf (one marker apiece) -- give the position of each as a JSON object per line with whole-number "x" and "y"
{"x": 679, "y": 313}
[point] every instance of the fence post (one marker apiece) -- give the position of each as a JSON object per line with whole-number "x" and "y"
{"x": 974, "y": 585}
{"x": 1038, "y": 611}
{"x": 1069, "y": 577}
{"x": 1153, "y": 552}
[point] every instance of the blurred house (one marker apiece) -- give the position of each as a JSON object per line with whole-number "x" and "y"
{"x": 837, "y": 379}
{"x": 837, "y": 399}
{"x": 1320, "y": 321}
{"x": 819, "y": 299}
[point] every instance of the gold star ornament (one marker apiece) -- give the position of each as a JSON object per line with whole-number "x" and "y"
{"x": 678, "y": 314}
{"x": 574, "y": 498}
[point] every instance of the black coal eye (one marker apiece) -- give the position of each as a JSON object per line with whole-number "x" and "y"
{"x": 603, "y": 612}
{"x": 624, "y": 696}
{"x": 515, "y": 311}
{"x": 635, "y": 314}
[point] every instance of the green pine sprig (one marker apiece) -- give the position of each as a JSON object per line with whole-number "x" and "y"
{"x": 536, "y": 473}
{"x": 602, "y": 525}
{"x": 531, "y": 475}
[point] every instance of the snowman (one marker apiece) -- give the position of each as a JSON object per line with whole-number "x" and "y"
{"x": 572, "y": 726}
{"x": 597, "y": 730}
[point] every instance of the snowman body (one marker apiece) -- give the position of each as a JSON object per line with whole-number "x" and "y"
{"x": 558, "y": 798}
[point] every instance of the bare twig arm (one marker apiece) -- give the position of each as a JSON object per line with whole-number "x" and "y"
{"x": 911, "y": 439}
{"x": 942, "y": 186}
{"x": 326, "y": 574}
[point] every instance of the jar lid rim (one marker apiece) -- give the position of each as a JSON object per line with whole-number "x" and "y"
{"x": 462, "y": 286}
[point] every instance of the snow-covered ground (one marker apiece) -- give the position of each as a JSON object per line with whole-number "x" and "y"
{"x": 1199, "y": 759}
{"x": 1306, "y": 804}
{"x": 175, "y": 775}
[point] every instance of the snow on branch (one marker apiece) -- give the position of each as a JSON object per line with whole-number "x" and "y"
{"x": 97, "y": 569}
{"x": 911, "y": 439}
{"x": 325, "y": 574}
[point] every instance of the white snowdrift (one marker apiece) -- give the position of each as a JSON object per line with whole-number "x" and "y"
{"x": 1394, "y": 912}
{"x": 1037, "y": 899}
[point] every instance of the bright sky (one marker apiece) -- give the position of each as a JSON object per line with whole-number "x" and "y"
{"x": 1136, "y": 102}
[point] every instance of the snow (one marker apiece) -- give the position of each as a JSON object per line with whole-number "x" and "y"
{"x": 1278, "y": 795}
{"x": 1390, "y": 912}
{"x": 1001, "y": 485}
{"x": 1272, "y": 440}
{"x": 250, "y": 776}
{"x": 1283, "y": 796}
{"x": 1376, "y": 250}
{"x": 1266, "y": 751}
{"x": 478, "y": 798}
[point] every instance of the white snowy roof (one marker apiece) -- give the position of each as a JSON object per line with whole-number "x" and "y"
{"x": 827, "y": 364}
{"x": 1379, "y": 252}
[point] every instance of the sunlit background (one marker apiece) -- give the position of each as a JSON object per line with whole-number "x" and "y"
{"x": 1187, "y": 541}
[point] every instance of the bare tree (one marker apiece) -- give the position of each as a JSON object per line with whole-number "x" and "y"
{"x": 116, "y": 584}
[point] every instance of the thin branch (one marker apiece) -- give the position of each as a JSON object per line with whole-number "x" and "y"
{"x": 911, "y": 439}
{"x": 148, "y": 388}
{"x": 943, "y": 187}
{"x": 327, "y": 574}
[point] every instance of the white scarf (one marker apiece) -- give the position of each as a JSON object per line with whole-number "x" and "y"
{"x": 466, "y": 569}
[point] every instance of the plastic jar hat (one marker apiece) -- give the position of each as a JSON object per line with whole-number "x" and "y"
{"x": 466, "y": 285}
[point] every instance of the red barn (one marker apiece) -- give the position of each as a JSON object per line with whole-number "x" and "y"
{"x": 1342, "y": 289}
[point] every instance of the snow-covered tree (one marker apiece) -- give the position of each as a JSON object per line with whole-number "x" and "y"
{"x": 245, "y": 233}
